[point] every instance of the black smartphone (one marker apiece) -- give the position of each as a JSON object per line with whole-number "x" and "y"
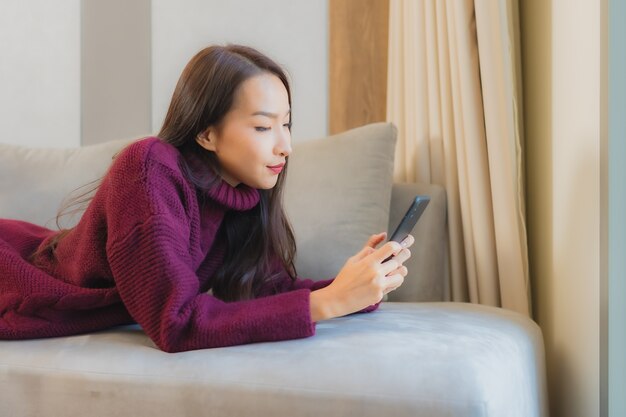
{"x": 408, "y": 222}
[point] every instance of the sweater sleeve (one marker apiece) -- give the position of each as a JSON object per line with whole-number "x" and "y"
{"x": 152, "y": 270}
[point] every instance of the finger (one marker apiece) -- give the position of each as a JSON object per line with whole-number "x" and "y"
{"x": 402, "y": 270}
{"x": 388, "y": 249}
{"x": 394, "y": 281}
{"x": 390, "y": 267}
{"x": 367, "y": 250}
{"x": 402, "y": 256}
{"x": 374, "y": 240}
{"x": 395, "y": 262}
{"x": 388, "y": 290}
{"x": 408, "y": 241}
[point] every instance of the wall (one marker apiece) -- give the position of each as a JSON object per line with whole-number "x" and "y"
{"x": 563, "y": 79}
{"x": 40, "y": 72}
{"x": 116, "y": 70}
{"x": 294, "y": 33}
{"x": 87, "y": 71}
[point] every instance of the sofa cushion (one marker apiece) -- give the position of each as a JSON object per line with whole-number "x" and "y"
{"x": 338, "y": 193}
{"x": 34, "y": 181}
{"x": 406, "y": 359}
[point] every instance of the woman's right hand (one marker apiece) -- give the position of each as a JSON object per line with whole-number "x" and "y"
{"x": 363, "y": 280}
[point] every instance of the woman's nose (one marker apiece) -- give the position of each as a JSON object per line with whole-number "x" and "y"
{"x": 283, "y": 145}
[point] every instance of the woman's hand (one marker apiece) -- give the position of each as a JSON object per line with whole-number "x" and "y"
{"x": 364, "y": 279}
{"x": 401, "y": 257}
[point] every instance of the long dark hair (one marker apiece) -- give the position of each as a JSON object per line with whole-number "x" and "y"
{"x": 260, "y": 243}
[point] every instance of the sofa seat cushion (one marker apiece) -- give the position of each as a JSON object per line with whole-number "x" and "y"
{"x": 406, "y": 359}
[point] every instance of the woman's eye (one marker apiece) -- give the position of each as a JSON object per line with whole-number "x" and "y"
{"x": 261, "y": 128}
{"x": 287, "y": 125}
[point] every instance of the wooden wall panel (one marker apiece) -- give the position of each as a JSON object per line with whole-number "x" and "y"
{"x": 358, "y": 36}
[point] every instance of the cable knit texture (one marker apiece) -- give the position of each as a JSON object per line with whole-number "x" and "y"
{"x": 144, "y": 252}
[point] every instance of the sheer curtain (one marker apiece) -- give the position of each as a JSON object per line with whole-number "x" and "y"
{"x": 454, "y": 92}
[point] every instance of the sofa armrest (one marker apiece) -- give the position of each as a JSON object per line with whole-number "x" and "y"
{"x": 427, "y": 264}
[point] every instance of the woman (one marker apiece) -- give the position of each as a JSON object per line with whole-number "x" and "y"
{"x": 186, "y": 234}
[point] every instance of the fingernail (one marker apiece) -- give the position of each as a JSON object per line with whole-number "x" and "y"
{"x": 404, "y": 243}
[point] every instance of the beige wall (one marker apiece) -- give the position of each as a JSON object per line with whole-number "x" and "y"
{"x": 115, "y": 70}
{"x": 40, "y": 73}
{"x": 294, "y": 33}
{"x": 87, "y": 71}
{"x": 561, "y": 44}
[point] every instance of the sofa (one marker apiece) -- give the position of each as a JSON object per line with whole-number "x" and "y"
{"x": 416, "y": 355}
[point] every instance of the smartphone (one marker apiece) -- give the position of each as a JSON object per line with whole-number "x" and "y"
{"x": 418, "y": 205}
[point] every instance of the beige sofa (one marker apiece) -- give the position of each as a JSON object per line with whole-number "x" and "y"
{"x": 415, "y": 356}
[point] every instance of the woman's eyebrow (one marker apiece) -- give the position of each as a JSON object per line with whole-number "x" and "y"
{"x": 268, "y": 114}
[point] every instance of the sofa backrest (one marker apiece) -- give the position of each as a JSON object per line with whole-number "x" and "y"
{"x": 337, "y": 194}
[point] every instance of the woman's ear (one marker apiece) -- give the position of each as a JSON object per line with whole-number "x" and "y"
{"x": 207, "y": 139}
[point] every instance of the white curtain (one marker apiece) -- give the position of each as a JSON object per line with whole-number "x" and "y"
{"x": 454, "y": 92}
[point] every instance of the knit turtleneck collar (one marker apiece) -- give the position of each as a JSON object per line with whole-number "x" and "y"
{"x": 240, "y": 198}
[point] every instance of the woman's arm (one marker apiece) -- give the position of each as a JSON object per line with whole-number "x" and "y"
{"x": 151, "y": 267}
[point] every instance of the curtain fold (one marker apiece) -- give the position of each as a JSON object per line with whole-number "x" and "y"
{"x": 454, "y": 94}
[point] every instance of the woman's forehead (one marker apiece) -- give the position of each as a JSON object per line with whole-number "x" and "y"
{"x": 262, "y": 93}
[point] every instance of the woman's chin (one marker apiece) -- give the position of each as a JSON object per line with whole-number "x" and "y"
{"x": 268, "y": 183}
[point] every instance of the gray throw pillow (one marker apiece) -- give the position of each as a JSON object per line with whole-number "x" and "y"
{"x": 338, "y": 193}
{"x": 35, "y": 181}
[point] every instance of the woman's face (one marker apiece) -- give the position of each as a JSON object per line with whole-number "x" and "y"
{"x": 254, "y": 134}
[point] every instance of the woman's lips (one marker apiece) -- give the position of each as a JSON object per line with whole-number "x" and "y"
{"x": 276, "y": 168}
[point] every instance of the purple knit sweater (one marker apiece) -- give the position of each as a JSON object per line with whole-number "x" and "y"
{"x": 144, "y": 252}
